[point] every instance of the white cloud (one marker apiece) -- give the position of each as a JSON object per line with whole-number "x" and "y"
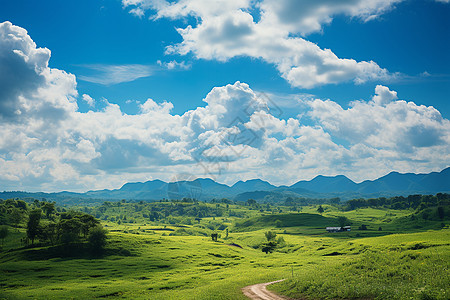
{"x": 114, "y": 74}
{"x": 50, "y": 145}
{"x": 227, "y": 29}
{"x": 384, "y": 122}
{"x": 88, "y": 99}
{"x": 173, "y": 65}
{"x": 305, "y": 17}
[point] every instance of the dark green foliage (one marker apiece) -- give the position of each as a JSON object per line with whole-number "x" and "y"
{"x": 270, "y": 235}
{"x": 33, "y": 224}
{"x": 48, "y": 208}
{"x": 15, "y": 216}
{"x": 271, "y": 243}
{"x": 343, "y": 221}
{"x": 287, "y": 220}
{"x": 320, "y": 210}
{"x": 269, "y": 247}
{"x": 69, "y": 230}
{"x": 441, "y": 212}
{"x": 363, "y": 227}
{"x": 3, "y": 232}
{"x": 97, "y": 239}
{"x": 48, "y": 233}
{"x": 419, "y": 202}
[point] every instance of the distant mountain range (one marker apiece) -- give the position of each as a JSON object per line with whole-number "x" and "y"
{"x": 392, "y": 184}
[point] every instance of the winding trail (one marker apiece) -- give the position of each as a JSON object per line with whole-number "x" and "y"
{"x": 259, "y": 292}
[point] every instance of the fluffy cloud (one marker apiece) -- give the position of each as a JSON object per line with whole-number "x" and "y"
{"x": 384, "y": 122}
{"x": 47, "y": 144}
{"x": 305, "y": 17}
{"x": 228, "y": 29}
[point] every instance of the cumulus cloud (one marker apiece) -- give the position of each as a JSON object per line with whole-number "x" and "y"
{"x": 305, "y": 17}
{"x": 384, "y": 122}
{"x": 47, "y": 144}
{"x": 227, "y": 29}
{"x": 114, "y": 74}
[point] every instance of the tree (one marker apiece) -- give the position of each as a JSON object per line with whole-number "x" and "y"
{"x": 33, "y": 224}
{"x": 343, "y": 221}
{"x": 15, "y": 216}
{"x": 441, "y": 212}
{"x": 251, "y": 202}
{"x": 69, "y": 230}
{"x": 320, "y": 210}
{"x": 97, "y": 239}
{"x": 269, "y": 247}
{"x": 270, "y": 235}
{"x": 87, "y": 222}
{"x": 3, "y": 232}
{"x": 48, "y": 233}
{"x": 48, "y": 208}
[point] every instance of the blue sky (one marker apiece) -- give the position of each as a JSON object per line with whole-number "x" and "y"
{"x": 359, "y": 88}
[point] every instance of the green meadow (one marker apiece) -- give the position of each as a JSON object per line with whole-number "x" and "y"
{"x": 398, "y": 255}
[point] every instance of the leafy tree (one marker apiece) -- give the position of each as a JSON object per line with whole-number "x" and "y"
{"x": 343, "y": 221}
{"x": 69, "y": 230}
{"x": 15, "y": 216}
{"x": 21, "y": 204}
{"x": 48, "y": 233}
{"x": 97, "y": 239}
{"x": 48, "y": 208}
{"x": 270, "y": 236}
{"x": 33, "y": 224}
{"x": 251, "y": 202}
{"x": 320, "y": 210}
{"x": 3, "y": 232}
{"x": 269, "y": 247}
{"x": 441, "y": 212}
{"x": 87, "y": 222}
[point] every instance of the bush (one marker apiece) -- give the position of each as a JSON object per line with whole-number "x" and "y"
{"x": 97, "y": 239}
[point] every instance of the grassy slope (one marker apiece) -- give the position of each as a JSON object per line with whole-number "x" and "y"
{"x": 400, "y": 266}
{"x": 193, "y": 267}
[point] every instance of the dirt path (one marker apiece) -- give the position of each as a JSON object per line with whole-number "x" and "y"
{"x": 259, "y": 292}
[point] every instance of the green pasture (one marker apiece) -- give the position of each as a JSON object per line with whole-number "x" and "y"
{"x": 154, "y": 260}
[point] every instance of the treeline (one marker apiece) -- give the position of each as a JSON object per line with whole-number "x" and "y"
{"x": 189, "y": 210}
{"x": 416, "y": 202}
{"x": 48, "y": 224}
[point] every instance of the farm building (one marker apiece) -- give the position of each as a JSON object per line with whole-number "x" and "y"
{"x": 338, "y": 229}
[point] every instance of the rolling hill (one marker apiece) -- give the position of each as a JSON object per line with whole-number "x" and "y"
{"x": 392, "y": 184}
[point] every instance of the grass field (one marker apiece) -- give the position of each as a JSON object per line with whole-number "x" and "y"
{"x": 144, "y": 261}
